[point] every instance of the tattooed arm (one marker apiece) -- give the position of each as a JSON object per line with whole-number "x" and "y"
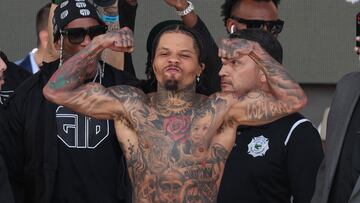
{"x": 66, "y": 86}
{"x": 260, "y": 106}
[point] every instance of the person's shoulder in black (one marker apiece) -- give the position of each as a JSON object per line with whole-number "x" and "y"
{"x": 209, "y": 80}
{"x": 14, "y": 76}
{"x": 122, "y": 77}
{"x": 304, "y": 156}
{"x": 273, "y": 162}
{"x": 304, "y": 153}
{"x": 19, "y": 112}
{"x": 5, "y": 190}
{"x": 6, "y": 194}
{"x": 36, "y": 81}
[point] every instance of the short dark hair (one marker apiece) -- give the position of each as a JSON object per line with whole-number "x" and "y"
{"x": 4, "y": 57}
{"x": 229, "y": 5}
{"x": 42, "y": 17}
{"x": 266, "y": 40}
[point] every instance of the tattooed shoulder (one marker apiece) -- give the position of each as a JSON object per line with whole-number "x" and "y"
{"x": 218, "y": 101}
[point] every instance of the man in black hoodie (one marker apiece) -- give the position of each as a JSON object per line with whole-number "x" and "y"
{"x": 5, "y": 191}
{"x": 11, "y": 76}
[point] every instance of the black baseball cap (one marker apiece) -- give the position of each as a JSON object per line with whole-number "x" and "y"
{"x": 70, "y": 10}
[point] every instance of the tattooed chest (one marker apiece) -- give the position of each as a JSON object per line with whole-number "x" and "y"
{"x": 173, "y": 160}
{"x": 163, "y": 169}
{"x": 175, "y": 137}
{"x": 157, "y": 177}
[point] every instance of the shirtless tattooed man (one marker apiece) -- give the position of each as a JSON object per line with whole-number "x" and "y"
{"x": 175, "y": 141}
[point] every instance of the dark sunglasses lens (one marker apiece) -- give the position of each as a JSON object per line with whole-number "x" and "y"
{"x": 276, "y": 28}
{"x": 97, "y": 30}
{"x": 255, "y": 24}
{"x": 76, "y": 35}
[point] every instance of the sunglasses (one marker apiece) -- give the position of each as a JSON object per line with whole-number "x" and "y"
{"x": 272, "y": 26}
{"x": 77, "y": 35}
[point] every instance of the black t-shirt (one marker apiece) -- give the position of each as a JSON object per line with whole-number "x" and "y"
{"x": 88, "y": 158}
{"x": 271, "y": 163}
{"x": 348, "y": 168}
{"x": 31, "y": 147}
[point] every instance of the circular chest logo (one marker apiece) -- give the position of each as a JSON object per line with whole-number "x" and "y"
{"x": 258, "y": 146}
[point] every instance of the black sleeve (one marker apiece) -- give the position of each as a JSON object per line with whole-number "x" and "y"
{"x": 15, "y": 75}
{"x": 210, "y": 80}
{"x": 304, "y": 156}
{"x": 123, "y": 78}
{"x": 5, "y": 190}
{"x": 11, "y": 147}
{"x": 127, "y": 14}
{"x": 128, "y": 64}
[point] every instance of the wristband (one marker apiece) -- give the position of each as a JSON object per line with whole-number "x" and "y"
{"x": 110, "y": 19}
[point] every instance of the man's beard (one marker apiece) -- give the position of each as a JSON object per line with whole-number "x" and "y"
{"x": 171, "y": 85}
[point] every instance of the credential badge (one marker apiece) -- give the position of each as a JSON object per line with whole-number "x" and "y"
{"x": 258, "y": 146}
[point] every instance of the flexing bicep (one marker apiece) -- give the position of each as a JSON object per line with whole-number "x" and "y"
{"x": 280, "y": 82}
{"x": 260, "y": 107}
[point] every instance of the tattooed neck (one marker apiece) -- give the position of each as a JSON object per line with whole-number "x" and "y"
{"x": 175, "y": 101}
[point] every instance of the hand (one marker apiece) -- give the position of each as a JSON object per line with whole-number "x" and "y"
{"x": 121, "y": 40}
{"x": 178, "y": 4}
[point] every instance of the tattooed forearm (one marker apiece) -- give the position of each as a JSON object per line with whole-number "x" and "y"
{"x": 73, "y": 72}
{"x": 265, "y": 110}
{"x": 260, "y": 107}
{"x": 286, "y": 95}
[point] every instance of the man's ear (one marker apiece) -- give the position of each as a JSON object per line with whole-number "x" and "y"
{"x": 202, "y": 67}
{"x": 57, "y": 45}
{"x": 262, "y": 76}
{"x": 44, "y": 37}
{"x": 152, "y": 66}
{"x": 230, "y": 25}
